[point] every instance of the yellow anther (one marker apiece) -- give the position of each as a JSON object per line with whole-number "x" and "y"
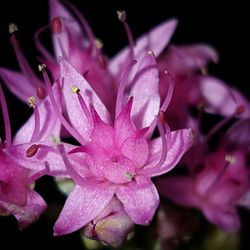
{"x": 75, "y": 89}
{"x": 32, "y": 102}
{"x": 56, "y": 139}
{"x": 230, "y": 158}
{"x": 12, "y": 28}
{"x": 121, "y": 14}
{"x": 98, "y": 43}
{"x": 151, "y": 53}
{"x": 41, "y": 67}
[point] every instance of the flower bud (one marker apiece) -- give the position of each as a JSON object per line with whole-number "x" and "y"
{"x": 111, "y": 226}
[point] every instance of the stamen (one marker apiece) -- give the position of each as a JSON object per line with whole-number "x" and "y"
{"x": 32, "y": 102}
{"x": 230, "y": 159}
{"x": 40, "y": 47}
{"x": 120, "y": 93}
{"x": 164, "y": 131}
{"x": 165, "y": 103}
{"x": 32, "y": 150}
{"x": 72, "y": 172}
{"x": 83, "y": 22}
{"x": 23, "y": 64}
{"x": 5, "y": 118}
{"x": 57, "y": 30}
{"x": 13, "y": 28}
{"x": 39, "y": 173}
{"x": 239, "y": 110}
{"x": 165, "y": 135}
{"x": 64, "y": 122}
{"x": 170, "y": 92}
{"x": 84, "y": 107}
{"x": 123, "y": 18}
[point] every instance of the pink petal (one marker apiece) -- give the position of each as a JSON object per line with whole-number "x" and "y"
{"x": 184, "y": 60}
{"x": 13, "y": 180}
{"x": 238, "y": 135}
{"x": 226, "y": 219}
{"x": 156, "y": 40}
{"x": 180, "y": 190}
{"x": 18, "y": 84}
{"x": 222, "y": 99}
{"x": 103, "y": 134}
{"x": 31, "y": 211}
{"x": 124, "y": 128}
{"x": 145, "y": 92}
{"x": 136, "y": 149}
{"x": 71, "y": 77}
{"x": 140, "y": 200}
{"x": 82, "y": 205}
{"x": 181, "y": 141}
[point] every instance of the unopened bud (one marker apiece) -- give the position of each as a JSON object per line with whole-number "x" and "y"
{"x": 111, "y": 226}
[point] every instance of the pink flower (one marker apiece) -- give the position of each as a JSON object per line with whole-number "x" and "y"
{"x": 221, "y": 183}
{"x": 111, "y": 226}
{"x": 17, "y": 196}
{"x": 116, "y": 158}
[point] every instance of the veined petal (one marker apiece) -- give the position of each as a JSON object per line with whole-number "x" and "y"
{"x": 180, "y": 190}
{"x": 82, "y": 205}
{"x": 145, "y": 92}
{"x": 18, "y": 84}
{"x": 156, "y": 40}
{"x": 140, "y": 200}
{"x": 72, "y": 78}
{"x": 181, "y": 141}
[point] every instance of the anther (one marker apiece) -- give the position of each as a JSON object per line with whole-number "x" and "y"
{"x": 230, "y": 159}
{"x": 239, "y": 110}
{"x": 32, "y": 102}
{"x": 161, "y": 116}
{"x": 12, "y": 28}
{"x": 121, "y": 14}
{"x": 56, "y": 25}
{"x": 41, "y": 67}
{"x": 32, "y": 150}
{"x": 41, "y": 92}
{"x": 98, "y": 44}
{"x": 75, "y": 89}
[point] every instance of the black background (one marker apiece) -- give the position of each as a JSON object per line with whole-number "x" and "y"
{"x": 223, "y": 26}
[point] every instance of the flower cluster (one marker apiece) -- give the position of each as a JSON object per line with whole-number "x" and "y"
{"x": 131, "y": 118}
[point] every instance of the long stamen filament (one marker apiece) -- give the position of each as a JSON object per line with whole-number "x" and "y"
{"x": 26, "y": 69}
{"x": 40, "y": 47}
{"x": 64, "y": 122}
{"x": 120, "y": 93}
{"x": 6, "y": 118}
{"x": 122, "y": 17}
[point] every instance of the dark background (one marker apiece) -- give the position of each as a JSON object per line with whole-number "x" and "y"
{"x": 223, "y": 26}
